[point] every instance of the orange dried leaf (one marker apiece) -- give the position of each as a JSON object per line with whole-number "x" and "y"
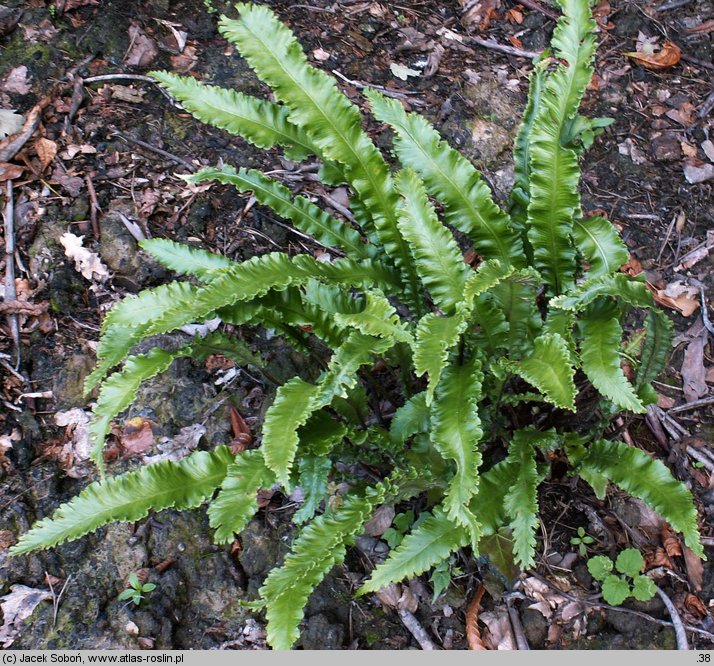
{"x": 46, "y": 150}
{"x": 473, "y": 633}
{"x": 668, "y": 56}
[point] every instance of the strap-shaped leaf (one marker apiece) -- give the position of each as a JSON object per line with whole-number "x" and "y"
{"x": 517, "y": 297}
{"x": 521, "y": 148}
{"x": 648, "y": 479}
{"x": 304, "y": 214}
{"x": 488, "y": 275}
{"x": 130, "y": 497}
{"x": 119, "y": 391}
{"x": 435, "y": 337}
{"x": 185, "y": 259}
{"x": 631, "y": 291}
{"x": 318, "y": 548}
{"x": 379, "y": 318}
{"x": 293, "y": 404}
{"x": 521, "y": 500}
{"x": 321, "y": 434}
{"x": 487, "y": 504}
{"x": 549, "y": 368}
{"x": 554, "y": 173}
{"x": 262, "y": 123}
{"x": 493, "y": 329}
{"x": 600, "y": 244}
{"x": 332, "y": 121}
{"x": 255, "y": 278}
{"x": 438, "y": 260}
{"x": 600, "y": 358}
{"x": 455, "y": 433}
{"x": 411, "y": 418}
{"x": 429, "y": 544}
{"x": 655, "y": 352}
{"x": 237, "y": 501}
{"x": 450, "y": 178}
{"x": 314, "y": 472}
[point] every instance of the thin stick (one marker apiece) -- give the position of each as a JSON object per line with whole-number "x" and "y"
{"x": 521, "y": 640}
{"x": 705, "y": 314}
{"x": 154, "y": 149}
{"x": 707, "y": 106}
{"x": 10, "y": 293}
{"x": 118, "y": 77}
{"x": 510, "y": 50}
{"x": 95, "y": 208}
{"x": 702, "y": 402}
{"x": 679, "y": 632}
{"x": 704, "y": 460}
{"x": 416, "y": 630}
{"x": 531, "y": 4}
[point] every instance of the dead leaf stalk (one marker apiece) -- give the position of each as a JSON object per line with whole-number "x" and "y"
{"x": 679, "y": 631}
{"x": 153, "y": 149}
{"x": 95, "y": 208}
{"x": 502, "y": 48}
{"x": 416, "y": 630}
{"x": 695, "y": 404}
{"x": 521, "y": 640}
{"x": 13, "y": 321}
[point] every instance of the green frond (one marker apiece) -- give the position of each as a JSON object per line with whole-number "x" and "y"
{"x": 185, "y": 259}
{"x": 411, "y": 418}
{"x": 517, "y": 297}
{"x": 435, "y": 337}
{"x": 321, "y": 434}
{"x": 427, "y": 545}
{"x": 119, "y": 390}
{"x": 600, "y": 244}
{"x": 521, "y": 500}
{"x": 601, "y": 335}
{"x": 313, "y": 475}
{"x": 648, "y": 479}
{"x": 631, "y": 291}
{"x": 455, "y": 433}
{"x": 521, "y": 149}
{"x": 488, "y": 503}
{"x": 554, "y": 169}
{"x": 304, "y": 214}
{"x": 130, "y": 497}
{"x": 293, "y": 404}
{"x": 437, "y": 257}
{"x": 319, "y": 547}
{"x": 493, "y": 329}
{"x": 331, "y": 120}
{"x": 379, "y": 319}
{"x": 258, "y": 121}
{"x": 487, "y": 275}
{"x": 451, "y": 179}
{"x": 550, "y": 369}
{"x": 655, "y": 351}
{"x": 237, "y": 500}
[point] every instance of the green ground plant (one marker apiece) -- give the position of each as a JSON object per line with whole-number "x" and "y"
{"x": 136, "y": 590}
{"x": 494, "y": 370}
{"x": 582, "y": 541}
{"x": 627, "y": 581}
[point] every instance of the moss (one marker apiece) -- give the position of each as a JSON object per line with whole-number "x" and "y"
{"x": 41, "y": 59}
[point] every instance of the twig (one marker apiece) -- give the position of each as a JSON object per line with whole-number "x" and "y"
{"x": 521, "y": 640}
{"x": 705, "y": 315}
{"x": 118, "y": 77}
{"x": 10, "y": 146}
{"x": 702, "y": 402}
{"x": 531, "y": 4}
{"x": 416, "y": 630}
{"x": 700, "y": 457}
{"x": 75, "y": 102}
{"x": 94, "y": 206}
{"x": 672, "y": 4}
{"x": 679, "y": 632}
{"x": 510, "y": 50}
{"x": 707, "y": 106}
{"x": 387, "y": 92}
{"x": 10, "y": 293}
{"x": 154, "y": 149}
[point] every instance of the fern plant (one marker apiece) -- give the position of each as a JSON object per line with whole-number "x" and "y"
{"x": 492, "y": 368}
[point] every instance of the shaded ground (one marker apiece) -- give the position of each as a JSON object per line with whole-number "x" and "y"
{"x": 103, "y": 178}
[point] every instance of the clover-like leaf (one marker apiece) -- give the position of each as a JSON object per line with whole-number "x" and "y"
{"x": 600, "y": 567}
{"x": 615, "y": 590}
{"x": 630, "y": 562}
{"x": 644, "y": 588}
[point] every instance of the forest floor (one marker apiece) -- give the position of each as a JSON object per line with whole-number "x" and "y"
{"x": 97, "y": 167}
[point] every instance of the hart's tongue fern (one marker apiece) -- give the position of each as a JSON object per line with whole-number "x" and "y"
{"x": 545, "y": 303}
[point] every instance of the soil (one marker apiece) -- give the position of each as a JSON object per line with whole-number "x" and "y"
{"x": 104, "y": 176}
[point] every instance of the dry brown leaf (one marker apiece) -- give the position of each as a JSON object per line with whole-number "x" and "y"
{"x": 707, "y": 26}
{"x": 7, "y": 539}
{"x": 17, "y": 606}
{"x": 513, "y": 15}
{"x": 137, "y": 435}
{"x": 185, "y": 61}
{"x": 10, "y": 171}
{"x": 17, "y": 81}
{"x": 179, "y": 446}
{"x": 127, "y": 94}
{"x": 380, "y": 521}
{"x": 668, "y": 56}
{"x": 477, "y": 14}
{"x": 389, "y": 595}
{"x": 695, "y": 569}
{"x": 670, "y": 542}
{"x": 69, "y": 5}
{"x": 500, "y": 632}
{"x": 473, "y": 633}
{"x": 46, "y": 150}
{"x": 695, "y": 606}
{"x": 658, "y": 558}
{"x": 143, "y": 48}
{"x": 677, "y": 296}
{"x": 693, "y": 371}
{"x": 77, "y": 448}
{"x": 87, "y": 263}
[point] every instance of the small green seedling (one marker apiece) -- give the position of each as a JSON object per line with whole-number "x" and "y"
{"x": 135, "y": 591}
{"x": 582, "y": 541}
{"x": 616, "y": 588}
